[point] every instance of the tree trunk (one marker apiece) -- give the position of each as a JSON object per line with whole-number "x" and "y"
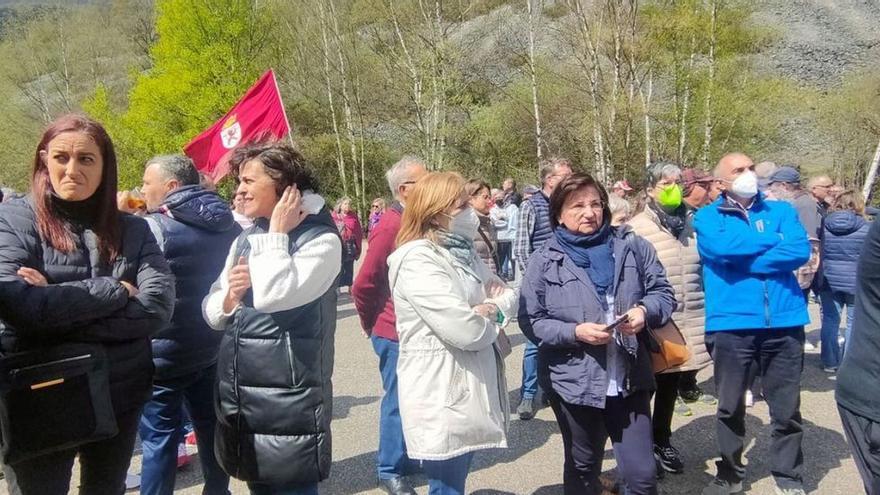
{"x": 533, "y": 73}
{"x": 709, "y": 124}
{"x": 686, "y": 100}
{"x": 340, "y": 158}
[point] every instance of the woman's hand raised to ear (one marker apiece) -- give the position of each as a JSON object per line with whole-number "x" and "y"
{"x": 288, "y": 212}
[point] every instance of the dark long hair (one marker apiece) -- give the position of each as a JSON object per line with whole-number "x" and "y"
{"x": 571, "y": 184}
{"x": 52, "y": 227}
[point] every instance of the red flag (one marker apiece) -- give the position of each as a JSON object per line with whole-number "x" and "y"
{"x": 257, "y": 116}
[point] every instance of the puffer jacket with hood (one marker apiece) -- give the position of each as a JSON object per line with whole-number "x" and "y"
{"x": 194, "y": 228}
{"x": 845, "y": 233}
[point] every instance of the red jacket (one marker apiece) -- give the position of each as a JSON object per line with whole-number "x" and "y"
{"x": 371, "y": 291}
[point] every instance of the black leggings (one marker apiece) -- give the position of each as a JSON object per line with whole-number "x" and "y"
{"x": 664, "y": 406}
{"x": 103, "y": 465}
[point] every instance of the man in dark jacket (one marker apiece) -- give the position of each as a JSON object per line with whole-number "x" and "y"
{"x": 754, "y": 311}
{"x": 194, "y": 228}
{"x": 858, "y": 390}
{"x": 534, "y": 229}
{"x": 372, "y": 298}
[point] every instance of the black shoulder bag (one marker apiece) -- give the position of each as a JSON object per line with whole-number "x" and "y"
{"x": 54, "y": 399}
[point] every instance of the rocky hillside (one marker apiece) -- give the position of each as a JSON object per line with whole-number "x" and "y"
{"x": 821, "y": 40}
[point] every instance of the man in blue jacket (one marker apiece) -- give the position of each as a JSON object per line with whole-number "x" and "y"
{"x": 194, "y": 228}
{"x": 755, "y": 311}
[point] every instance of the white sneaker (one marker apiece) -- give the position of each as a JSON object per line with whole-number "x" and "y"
{"x": 808, "y": 346}
{"x": 750, "y": 398}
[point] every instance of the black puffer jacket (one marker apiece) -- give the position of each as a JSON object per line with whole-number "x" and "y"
{"x": 84, "y": 301}
{"x": 196, "y": 229}
{"x": 275, "y": 396}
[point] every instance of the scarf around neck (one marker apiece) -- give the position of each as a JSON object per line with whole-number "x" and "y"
{"x": 460, "y": 248}
{"x": 592, "y": 252}
{"x": 674, "y": 222}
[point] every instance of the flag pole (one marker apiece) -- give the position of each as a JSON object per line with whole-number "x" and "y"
{"x": 283, "y": 110}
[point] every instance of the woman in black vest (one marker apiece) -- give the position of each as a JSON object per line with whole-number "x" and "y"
{"x": 276, "y": 302}
{"x": 73, "y": 269}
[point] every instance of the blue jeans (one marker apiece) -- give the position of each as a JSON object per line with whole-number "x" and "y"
{"x": 161, "y": 430}
{"x": 261, "y": 489}
{"x": 530, "y": 371}
{"x": 391, "y": 459}
{"x": 832, "y": 305}
{"x": 448, "y": 477}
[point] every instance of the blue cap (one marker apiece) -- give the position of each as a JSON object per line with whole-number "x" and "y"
{"x": 786, "y": 175}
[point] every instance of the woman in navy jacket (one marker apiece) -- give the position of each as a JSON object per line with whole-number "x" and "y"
{"x": 586, "y": 276}
{"x": 845, "y": 232}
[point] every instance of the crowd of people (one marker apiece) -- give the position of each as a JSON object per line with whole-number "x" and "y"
{"x": 168, "y": 306}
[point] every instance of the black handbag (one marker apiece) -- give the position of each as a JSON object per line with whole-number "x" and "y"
{"x": 54, "y": 399}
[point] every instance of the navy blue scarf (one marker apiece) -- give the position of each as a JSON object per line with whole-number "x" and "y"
{"x": 592, "y": 252}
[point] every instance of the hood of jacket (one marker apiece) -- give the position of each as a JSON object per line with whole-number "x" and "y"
{"x": 844, "y": 222}
{"x": 200, "y": 208}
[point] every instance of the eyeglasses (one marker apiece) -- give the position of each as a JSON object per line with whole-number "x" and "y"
{"x": 596, "y": 207}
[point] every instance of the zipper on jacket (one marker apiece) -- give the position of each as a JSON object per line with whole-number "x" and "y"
{"x": 237, "y": 396}
{"x": 43, "y": 365}
{"x": 766, "y": 305}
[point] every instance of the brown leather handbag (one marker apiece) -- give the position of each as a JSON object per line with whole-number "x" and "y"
{"x": 671, "y": 351}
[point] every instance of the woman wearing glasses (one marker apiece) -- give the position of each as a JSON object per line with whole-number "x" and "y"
{"x": 586, "y": 278}
{"x": 377, "y": 209}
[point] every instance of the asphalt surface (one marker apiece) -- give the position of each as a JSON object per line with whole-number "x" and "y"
{"x": 533, "y": 463}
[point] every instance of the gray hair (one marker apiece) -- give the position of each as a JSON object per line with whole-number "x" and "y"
{"x": 550, "y": 165}
{"x": 657, "y": 171}
{"x": 616, "y": 204}
{"x": 396, "y": 175}
{"x": 176, "y": 167}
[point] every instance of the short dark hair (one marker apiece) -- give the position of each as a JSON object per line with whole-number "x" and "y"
{"x": 568, "y": 186}
{"x": 285, "y": 165}
{"x": 473, "y": 186}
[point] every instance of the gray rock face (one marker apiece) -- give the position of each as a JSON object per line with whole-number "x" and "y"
{"x": 820, "y": 40}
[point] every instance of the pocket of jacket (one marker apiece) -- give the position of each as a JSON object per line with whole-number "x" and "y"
{"x": 458, "y": 388}
{"x": 872, "y": 437}
{"x": 289, "y": 349}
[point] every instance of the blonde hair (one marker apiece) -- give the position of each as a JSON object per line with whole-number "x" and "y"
{"x": 434, "y": 194}
{"x": 849, "y": 200}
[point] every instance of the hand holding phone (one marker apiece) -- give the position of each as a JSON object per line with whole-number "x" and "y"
{"x": 619, "y": 321}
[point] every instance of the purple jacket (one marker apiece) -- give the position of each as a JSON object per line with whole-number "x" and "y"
{"x": 556, "y": 296}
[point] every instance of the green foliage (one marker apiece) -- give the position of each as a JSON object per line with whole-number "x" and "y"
{"x": 850, "y": 116}
{"x": 454, "y": 90}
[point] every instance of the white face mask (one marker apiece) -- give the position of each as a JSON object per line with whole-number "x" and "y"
{"x": 465, "y": 223}
{"x": 746, "y": 185}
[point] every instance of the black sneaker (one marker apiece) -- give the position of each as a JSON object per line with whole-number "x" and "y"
{"x": 669, "y": 458}
{"x": 526, "y": 409}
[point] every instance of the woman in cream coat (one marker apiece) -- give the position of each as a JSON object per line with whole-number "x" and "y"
{"x": 667, "y": 224}
{"x": 453, "y": 396}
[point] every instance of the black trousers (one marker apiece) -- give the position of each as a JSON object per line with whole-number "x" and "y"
{"x": 103, "y": 465}
{"x": 863, "y": 436}
{"x": 584, "y": 433}
{"x": 506, "y": 268}
{"x": 779, "y": 355}
{"x": 664, "y": 405}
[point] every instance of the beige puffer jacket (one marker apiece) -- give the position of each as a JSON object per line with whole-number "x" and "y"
{"x": 685, "y": 274}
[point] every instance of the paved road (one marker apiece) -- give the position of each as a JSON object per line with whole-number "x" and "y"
{"x": 533, "y": 463}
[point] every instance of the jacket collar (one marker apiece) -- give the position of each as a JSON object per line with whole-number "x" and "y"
{"x": 729, "y": 207}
